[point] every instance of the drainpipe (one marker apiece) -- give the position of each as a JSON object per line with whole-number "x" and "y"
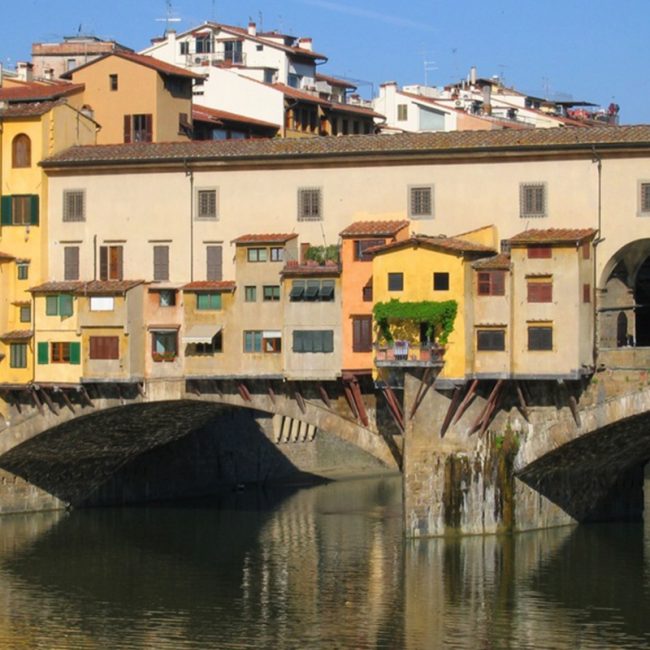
{"x": 595, "y": 158}
{"x": 190, "y": 174}
{"x": 94, "y": 257}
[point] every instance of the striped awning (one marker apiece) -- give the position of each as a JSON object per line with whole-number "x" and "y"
{"x": 202, "y": 333}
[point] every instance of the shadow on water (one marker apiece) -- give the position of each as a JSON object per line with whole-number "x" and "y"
{"x": 317, "y": 567}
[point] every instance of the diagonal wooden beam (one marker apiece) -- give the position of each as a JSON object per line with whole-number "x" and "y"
{"x": 84, "y": 393}
{"x": 523, "y": 407}
{"x": 244, "y": 392}
{"x": 37, "y": 402}
{"x": 66, "y": 400}
{"x": 358, "y": 400}
{"x": 324, "y": 396}
{"x": 425, "y": 384}
{"x": 394, "y": 407}
{"x": 453, "y": 405}
{"x": 271, "y": 393}
{"x": 492, "y": 407}
{"x": 48, "y": 400}
{"x": 347, "y": 391}
{"x": 466, "y": 401}
{"x": 300, "y": 400}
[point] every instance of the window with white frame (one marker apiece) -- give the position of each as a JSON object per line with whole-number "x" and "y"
{"x": 532, "y": 200}
{"x": 206, "y": 204}
{"x": 421, "y": 201}
{"x": 402, "y": 112}
{"x": 310, "y": 204}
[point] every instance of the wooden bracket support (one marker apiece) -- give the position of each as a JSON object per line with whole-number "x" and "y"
{"x": 244, "y": 392}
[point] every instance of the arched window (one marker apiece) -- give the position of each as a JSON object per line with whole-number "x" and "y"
{"x": 21, "y": 151}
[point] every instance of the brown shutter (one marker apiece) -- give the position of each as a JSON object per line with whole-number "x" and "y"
{"x": 127, "y": 128}
{"x": 116, "y": 263}
{"x": 362, "y": 334}
{"x": 71, "y": 263}
{"x": 148, "y": 128}
{"x": 161, "y": 263}
{"x": 215, "y": 263}
{"x": 540, "y": 292}
{"x": 103, "y": 262}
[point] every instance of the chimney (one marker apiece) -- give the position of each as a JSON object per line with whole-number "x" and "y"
{"x": 472, "y": 75}
{"x": 305, "y": 43}
{"x": 252, "y": 28}
{"x": 25, "y": 71}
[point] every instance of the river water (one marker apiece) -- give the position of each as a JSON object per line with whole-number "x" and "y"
{"x": 315, "y": 567}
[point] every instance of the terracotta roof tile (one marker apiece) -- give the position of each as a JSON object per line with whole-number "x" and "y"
{"x": 17, "y": 335}
{"x": 303, "y": 95}
{"x": 374, "y": 228}
{"x": 107, "y": 287}
{"x": 334, "y": 81}
{"x": 355, "y": 108}
{"x": 57, "y": 287}
{"x": 450, "y": 244}
{"x": 27, "y": 109}
{"x": 273, "y": 238}
{"x": 38, "y": 92}
{"x": 553, "y": 236}
{"x": 210, "y": 285}
{"x": 5, "y": 257}
{"x": 293, "y": 269}
{"x": 206, "y": 114}
{"x": 409, "y": 145}
{"x": 498, "y": 262}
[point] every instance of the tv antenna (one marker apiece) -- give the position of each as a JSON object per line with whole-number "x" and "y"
{"x": 170, "y": 17}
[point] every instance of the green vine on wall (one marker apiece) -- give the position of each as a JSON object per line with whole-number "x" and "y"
{"x": 439, "y": 316}
{"x": 322, "y": 254}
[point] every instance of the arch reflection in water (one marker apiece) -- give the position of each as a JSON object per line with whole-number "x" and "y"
{"x": 319, "y": 567}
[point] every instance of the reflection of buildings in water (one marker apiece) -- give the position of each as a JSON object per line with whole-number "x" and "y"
{"x": 328, "y": 554}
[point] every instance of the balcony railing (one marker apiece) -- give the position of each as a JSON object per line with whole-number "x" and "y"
{"x": 405, "y": 353}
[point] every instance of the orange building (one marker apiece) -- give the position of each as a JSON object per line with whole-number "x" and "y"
{"x": 356, "y": 286}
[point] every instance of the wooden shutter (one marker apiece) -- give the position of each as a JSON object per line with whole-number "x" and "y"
{"x": 75, "y": 353}
{"x": 115, "y": 263}
{"x": 148, "y": 128}
{"x": 5, "y": 209}
{"x": 214, "y": 256}
{"x": 540, "y": 291}
{"x": 71, "y": 263}
{"x": 42, "y": 352}
{"x": 33, "y": 215}
{"x": 362, "y": 334}
{"x": 104, "y": 347}
{"x": 161, "y": 263}
{"x": 127, "y": 128}
{"x": 103, "y": 262}
{"x": 65, "y": 305}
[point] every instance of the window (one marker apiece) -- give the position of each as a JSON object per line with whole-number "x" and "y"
{"x": 185, "y": 47}
{"x": 257, "y": 254}
{"x": 215, "y": 345}
{"x": 293, "y": 80}
{"x": 104, "y": 347}
{"x": 532, "y": 200}
{"x": 160, "y": 263}
{"x": 271, "y": 293}
{"x": 309, "y": 204}
{"x": 586, "y": 250}
{"x": 277, "y": 254}
{"x": 441, "y": 281}
{"x": 206, "y": 204}
{"x": 491, "y": 283}
{"x": 363, "y": 245}
{"x": 21, "y": 151}
{"x": 490, "y": 340}
{"x": 539, "y": 252}
{"x": 313, "y": 341}
{"x": 164, "y": 345}
{"x": 19, "y": 210}
{"x": 586, "y": 293}
{"x": 540, "y": 338}
{"x": 214, "y": 263}
{"x": 74, "y": 205}
{"x": 166, "y": 298}
{"x": 59, "y": 305}
{"x": 207, "y": 301}
{"x": 138, "y": 128}
{"x": 250, "y": 294}
{"x": 112, "y": 82}
{"x": 203, "y": 44}
{"x": 265, "y": 341}
{"x": 402, "y": 112}
{"x": 71, "y": 262}
{"x": 232, "y": 51}
{"x": 396, "y": 282}
{"x": 18, "y": 355}
{"x": 312, "y": 290}
{"x": 644, "y": 199}
{"x": 60, "y": 353}
{"x": 540, "y": 289}
{"x": 361, "y": 333}
{"x": 25, "y": 313}
{"x": 110, "y": 262}
{"x": 252, "y": 341}
{"x": 366, "y": 293}
{"x": 297, "y": 290}
{"x": 22, "y": 270}
{"x": 102, "y": 303}
{"x": 421, "y": 202}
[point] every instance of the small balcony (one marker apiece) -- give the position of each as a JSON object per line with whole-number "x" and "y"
{"x": 404, "y": 354}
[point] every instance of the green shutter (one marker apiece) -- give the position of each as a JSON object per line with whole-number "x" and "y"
{"x": 34, "y": 210}
{"x": 65, "y": 305}
{"x": 51, "y": 305}
{"x": 43, "y": 356}
{"x": 5, "y": 211}
{"x": 75, "y": 353}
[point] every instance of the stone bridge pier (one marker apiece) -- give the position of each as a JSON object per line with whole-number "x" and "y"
{"x": 492, "y": 457}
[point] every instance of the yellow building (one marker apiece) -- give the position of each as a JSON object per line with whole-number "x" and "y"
{"x": 425, "y": 287}
{"x": 29, "y": 132}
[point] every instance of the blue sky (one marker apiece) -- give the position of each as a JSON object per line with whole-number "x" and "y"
{"x": 589, "y": 49}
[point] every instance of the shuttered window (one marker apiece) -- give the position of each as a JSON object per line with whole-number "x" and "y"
{"x": 540, "y": 290}
{"x": 206, "y": 204}
{"x": 65, "y": 353}
{"x": 59, "y": 305}
{"x": 138, "y": 128}
{"x": 586, "y": 293}
{"x": 208, "y": 301}
{"x": 491, "y": 283}
{"x": 160, "y": 263}
{"x": 21, "y": 151}
{"x": 309, "y": 204}
{"x": 71, "y": 262}
{"x": 644, "y": 197}
{"x": 74, "y": 205}
{"x": 104, "y": 347}
{"x": 18, "y": 355}
{"x": 19, "y": 210}
{"x": 362, "y": 245}
{"x": 110, "y": 262}
{"x": 540, "y": 252}
{"x": 491, "y": 340}
{"x": 395, "y": 281}
{"x": 361, "y": 333}
{"x": 214, "y": 258}
{"x": 421, "y": 202}
{"x": 540, "y": 338}
{"x": 532, "y": 200}
{"x": 313, "y": 341}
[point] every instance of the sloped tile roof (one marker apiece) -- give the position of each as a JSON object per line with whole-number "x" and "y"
{"x": 107, "y": 287}
{"x": 66, "y": 286}
{"x": 450, "y": 244}
{"x": 374, "y": 228}
{"x": 402, "y": 144}
{"x": 498, "y": 262}
{"x": 273, "y": 238}
{"x": 27, "y": 109}
{"x": 334, "y": 81}
{"x": 293, "y": 269}
{"x": 209, "y": 285}
{"x": 553, "y": 236}
{"x": 206, "y": 114}
{"x": 15, "y": 335}
{"x": 33, "y": 92}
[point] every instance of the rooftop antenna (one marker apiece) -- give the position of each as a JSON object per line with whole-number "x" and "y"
{"x": 261, "y": 19}
{"x": 169, "y": 18}
{"x": 214, "y": 12}
{"x": 547, "y": 86}
{"x": 502, "y": 76}
{"x": 429, "y": 66}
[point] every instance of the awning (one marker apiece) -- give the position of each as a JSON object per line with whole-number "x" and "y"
{"x": 202, "y": 333}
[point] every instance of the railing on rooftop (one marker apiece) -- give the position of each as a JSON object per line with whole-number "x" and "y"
{"x": 405, "y": 353}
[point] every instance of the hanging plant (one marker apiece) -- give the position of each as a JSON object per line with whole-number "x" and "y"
{"x": 439, "y": 316}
